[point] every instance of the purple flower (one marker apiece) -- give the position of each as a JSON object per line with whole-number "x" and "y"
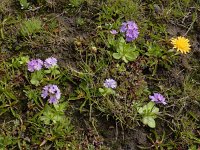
{"x": 35, "y": 64}
{"x": 158, "y": 98}
{"x": 52, "y": 92}
{"x": 50, "y": 62}
{"x": 114, "y": 32}
{"x": 110, "y": 83}
{"x": 130, "y": 28}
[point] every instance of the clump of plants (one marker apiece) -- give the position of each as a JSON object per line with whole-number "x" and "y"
{"x": 149, "y": 113}
{"x": 125, "y": 51}
{"x": 41, "y": 92}
{"x": 30, "y": 27}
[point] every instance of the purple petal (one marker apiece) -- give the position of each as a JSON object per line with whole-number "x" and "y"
{"x": 129, "y": 39}
{"x": 114, "y": 32}
{"x": 44, "y": 94}
{"x": 123, "y": 27}
{"x": 132, "y": 25}
{"x": 53, "y": 100}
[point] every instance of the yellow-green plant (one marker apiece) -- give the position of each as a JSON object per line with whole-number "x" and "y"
{"x": 30, "y": 27}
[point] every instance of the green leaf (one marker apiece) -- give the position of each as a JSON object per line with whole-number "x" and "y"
{"x": 121, "y": 40}
{"x": 47, "y": 71}
{"x": 46, "y": 120}
{"x": 10, "y": 95}
{"x": 124, "y": 59}
{"x": 132, "y": 55}
{"x": 145, "y": 120}
{"x": 121, "y": 68}
{"x": 148, "y": 120}
{"x": 56, "y": 72}
{"x": 154, "y": 50}
{"x": 101, "y": 90}
{"x": 150, "y": 105}
{"x": 117, "y": 55}
{"x": 140, "y": 110}
{"x": 155, "y": 110}
{"x": 61, "y": 107}
{"x": 125, "y": 51}
{"x": 151, "y": 122}
{"x": 23, "y": 60}
{"x": 35, "y": 82}
{"x": 133, "y": 48}
{"x": 111, "y": 41}
{"x": 121, "y": 44}
{"x": 57, "y": 118}
{"x": 37, "y": 78}
{"x": 55, "y": 114}
{"x": 24, "y": 4}
{"x": 110, "y": 91}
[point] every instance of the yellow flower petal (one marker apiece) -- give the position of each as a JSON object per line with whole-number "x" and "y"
{"x": 181, "y": 44}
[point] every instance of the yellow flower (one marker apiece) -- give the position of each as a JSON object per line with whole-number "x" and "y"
{"x": 181, "y": 44}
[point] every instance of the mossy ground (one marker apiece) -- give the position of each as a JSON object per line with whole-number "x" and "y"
{"x": 77, "y": 33}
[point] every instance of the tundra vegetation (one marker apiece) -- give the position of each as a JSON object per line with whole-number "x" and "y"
{"x": 100, "y": 74}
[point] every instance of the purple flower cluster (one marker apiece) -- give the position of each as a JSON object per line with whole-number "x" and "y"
{"x": 36, "y": 64}
{"x": 110, "y": 83}
{"x": 130, "y": 28}
{"x": 52, "y": 92}
{"x": 158, "y": 98}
